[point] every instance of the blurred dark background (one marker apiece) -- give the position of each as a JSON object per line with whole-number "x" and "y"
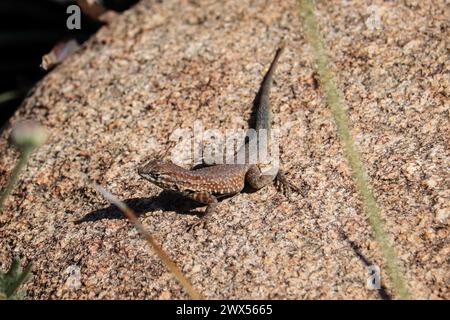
{"x": 30, "y": 29}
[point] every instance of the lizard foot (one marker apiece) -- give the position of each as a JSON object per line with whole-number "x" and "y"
{"x": 286, "y": 187}
{"x": 201, "y": 223}
{"x": 212, "y": 204}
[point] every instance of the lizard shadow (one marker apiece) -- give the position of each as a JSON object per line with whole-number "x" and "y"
{"x": 382, "y": 292}
{"x": 166, "y": 201}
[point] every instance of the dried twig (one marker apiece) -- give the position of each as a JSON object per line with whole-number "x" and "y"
{"x": 171, "y": 266}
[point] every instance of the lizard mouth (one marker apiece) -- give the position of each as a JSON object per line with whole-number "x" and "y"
{"x": 141, "y": 171}
{"x": 149, "y": 176}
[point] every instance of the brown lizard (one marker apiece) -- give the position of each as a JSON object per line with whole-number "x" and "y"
{"x": 208, "y": 184}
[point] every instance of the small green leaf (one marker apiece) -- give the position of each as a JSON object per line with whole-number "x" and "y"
{"x": 13, "y": 279}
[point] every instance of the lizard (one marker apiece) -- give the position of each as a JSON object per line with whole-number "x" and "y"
{"x": 207, "y": 185}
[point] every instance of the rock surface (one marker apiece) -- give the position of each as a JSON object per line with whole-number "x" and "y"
{"x": 157, "y": 68}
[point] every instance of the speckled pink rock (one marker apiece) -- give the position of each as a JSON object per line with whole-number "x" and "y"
{"x": 159, "y": 67}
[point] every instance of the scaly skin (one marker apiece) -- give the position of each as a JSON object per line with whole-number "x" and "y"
{"x": 207, "y": 185}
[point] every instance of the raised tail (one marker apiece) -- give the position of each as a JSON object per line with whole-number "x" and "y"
{"x": 262, "y": 103}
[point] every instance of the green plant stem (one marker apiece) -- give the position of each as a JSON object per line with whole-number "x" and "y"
{"x": 15, "y": 175}
{"x": 335, "y": 102}
{"x": 10, "y": 95}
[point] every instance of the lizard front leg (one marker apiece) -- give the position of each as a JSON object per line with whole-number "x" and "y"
{"x": 205, "y": 198}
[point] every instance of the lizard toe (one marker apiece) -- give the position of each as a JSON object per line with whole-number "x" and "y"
{"x": 198, "y": 224}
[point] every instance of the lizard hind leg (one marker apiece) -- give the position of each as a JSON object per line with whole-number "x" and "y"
{"x": 256, "y": 179}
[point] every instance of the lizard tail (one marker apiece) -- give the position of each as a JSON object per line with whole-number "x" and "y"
{"x": 262, "y": 103}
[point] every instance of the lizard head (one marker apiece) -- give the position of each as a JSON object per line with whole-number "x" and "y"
{"x": 159, "y": 172}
